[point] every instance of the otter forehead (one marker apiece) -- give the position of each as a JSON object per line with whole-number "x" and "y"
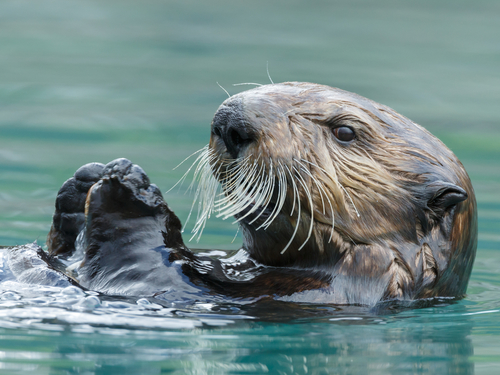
{"x": 278, "y": 111}
{"x": 297, "y": 90}
{"x": 272, "y": 104}
{"x": 280, "y": 98}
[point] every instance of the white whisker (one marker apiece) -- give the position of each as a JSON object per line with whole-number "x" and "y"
{"x": 224, "y": 89}
{"x": 204, "y": 149}
{"x": 197, "y": 194}
{"x": 349, "y": 196}
{"x": 233, "y": 185}
{"x": 308, "y": 193}
{"x": 281, "y": 198}
{"x": 302, "y": 167}
{"x": 336, "y": 180}
{"x": 266, "y": 193}
{"x": 236, "y": 235}
{"x": 321, "y": 192}
{"x": 249, "y": 197}
{"x": 205, "y": 204}
{"x": 295, "y": 194}
{"x": 247, "y": 83}
{"x": 233, "y": 189}
{"x": 268, "y": 75}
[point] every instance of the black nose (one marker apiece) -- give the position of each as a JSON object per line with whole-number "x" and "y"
{"x": 230, "y": 125}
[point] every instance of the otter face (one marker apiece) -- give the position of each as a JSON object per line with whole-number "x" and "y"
{"x": 311, "y": 173}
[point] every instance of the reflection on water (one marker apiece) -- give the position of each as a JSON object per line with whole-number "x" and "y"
{"x": 296, "y": 350}
{"x": 55, "y": 329}
{"x": 84, "y": 81}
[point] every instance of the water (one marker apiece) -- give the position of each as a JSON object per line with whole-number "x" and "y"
{"x": 85, "y": 81}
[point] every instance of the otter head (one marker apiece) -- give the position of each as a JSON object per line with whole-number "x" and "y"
{"x": 312, "y": 173}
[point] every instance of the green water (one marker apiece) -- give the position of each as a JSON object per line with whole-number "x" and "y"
{"x": 84, "y": 81}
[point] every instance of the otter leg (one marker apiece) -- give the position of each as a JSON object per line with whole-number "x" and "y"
{"x": 69, "y": 216}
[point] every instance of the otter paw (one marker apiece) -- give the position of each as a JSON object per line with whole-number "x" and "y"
{"x": 69, "y": 216}
{"x": 125, "y": 187}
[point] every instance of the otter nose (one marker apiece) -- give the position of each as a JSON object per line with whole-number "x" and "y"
{"x": 230, "y": 126}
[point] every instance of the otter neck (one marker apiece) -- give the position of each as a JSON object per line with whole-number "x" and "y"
{"x": 267, "y": 248}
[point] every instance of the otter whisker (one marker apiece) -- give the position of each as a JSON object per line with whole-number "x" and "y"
{"x": 294, "y": 191}
{"x": 281, "y": 198}
{"x": 205, "y": 199}
{"x": 268, "y": 75}
{"x": 204, "y": 209}
{"x": 336, "y": 180}
{"x": 243, "y": 172}
{"x": 204, "y": 149}
{"x": 223, "y": 89}
{"x": 254, "y": 196}
{"x": 269, "y": 196}
{"x": 295, "y": 194}
{"x": 308, "y": 193}
{"x": 236, "y": 197}
{"x": 208, "y": 181}
{"x": 241, "y": 202}
{"x": 203, "y": 168}
{"x": 234, "y": 168}
{"x": 302, "y": 167}
{"x": 349, "y": 196}
{"x": 203, "y": 159}
{"x": 205, "y": 204}
{"x": 351, "y": 239}
{"x": 214, "y": 183}
{"x": 237, "y": 231}
{"x": 321, "y": 192}
{"x": 319, "y": 185}
{"x": 234, "y": 185}
{"x": 247, "y": 83}
{"x": 244, "y": 199}
{"x": 281, "y": 195}
{"x": 237, "y": 168}
{"x": 232, "y": 173}
{"x": 267, "y": 192}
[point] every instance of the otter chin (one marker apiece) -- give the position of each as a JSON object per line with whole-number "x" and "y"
{"x": 339, "y": 199}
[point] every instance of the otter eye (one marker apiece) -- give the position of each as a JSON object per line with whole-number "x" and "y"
{"x": 344, "y": 133}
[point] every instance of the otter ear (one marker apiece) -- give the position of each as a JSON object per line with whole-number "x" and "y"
{"x": 445, "y": 195}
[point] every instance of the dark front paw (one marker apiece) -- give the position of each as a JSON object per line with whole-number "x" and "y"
{"x": 69, "y": 216}
{"x": 124, "y": 188}
{"x": 124, "y": 194}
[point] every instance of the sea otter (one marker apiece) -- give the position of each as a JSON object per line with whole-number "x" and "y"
{"x": 339, "y": 199}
